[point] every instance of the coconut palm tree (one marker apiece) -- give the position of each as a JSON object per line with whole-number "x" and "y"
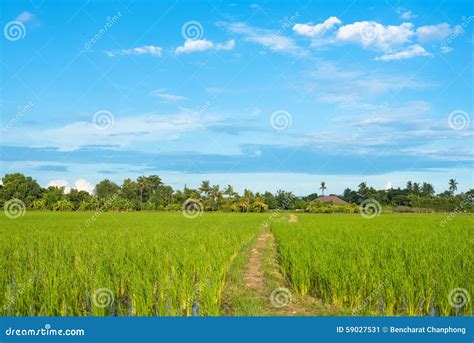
{"x": 427, "y": 189}
{"x": 229, "y": 191}
{"x": 409, "y": 186}
{"x": 323, "y": 187}
{"x": 205, "y": 187}
{"x": 453, "y": 186}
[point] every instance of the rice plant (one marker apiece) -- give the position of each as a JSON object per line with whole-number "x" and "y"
{"x": 390, "y": 265}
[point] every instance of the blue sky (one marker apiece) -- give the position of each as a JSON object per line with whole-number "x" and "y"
{"x": 262, "y": 95}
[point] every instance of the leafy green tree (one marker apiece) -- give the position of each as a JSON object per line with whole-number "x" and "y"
{"x": 131, "y": 191}
{"x": 76, "y": 197}
{"x": 106, "y": 188}
{"x": 363, "y": 189}
{"x": 21, "y": 187}
{"x": 285, "y": 200}
{"x": 351, "y": 196}
{"x": 52, "y": 195}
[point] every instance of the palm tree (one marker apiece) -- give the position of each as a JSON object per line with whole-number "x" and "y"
{"x": 453, "y": 186}
{"x": 416, "y": 188}
{"x": 323, "y": 187}
{"x": 205, "y": 187}
{"x": 409, "y": 187}
{"x": 142, "y": 184}
{"x": 215, "y": 194}
{"x": 427, "y": 189}
{"x": 229, "y": 191}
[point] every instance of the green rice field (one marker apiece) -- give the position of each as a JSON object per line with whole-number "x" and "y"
{"x": 161, "y": 263}
{"x": 388, "y": 265}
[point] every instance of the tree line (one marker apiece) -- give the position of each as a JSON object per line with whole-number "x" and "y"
{"x": 150, "y": 193}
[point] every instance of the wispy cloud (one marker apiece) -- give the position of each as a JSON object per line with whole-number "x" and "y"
{"x": 152, "y": 50}
{"x": 161, "y": 93}
{"x": 371, "y": 34}
{"x": 354, "y": 87}
{"x": 432, "y": 33}
{"x": 316, "y": 30}
{"x": 124, "y": 132}
{"x": 405, "y": 14}
{"x": 410, "y": 52}
{"x": 198, "y": 45}
{"x": 268, "y": 39}
{"x": 24, "y": 17}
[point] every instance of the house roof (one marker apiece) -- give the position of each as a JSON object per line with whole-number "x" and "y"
{"x": 332, "y": 199}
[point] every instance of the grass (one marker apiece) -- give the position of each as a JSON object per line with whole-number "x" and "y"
{"x": 390, "y": 265}
{"x": 148, "y": 263}
{"x": 157, "y": 263}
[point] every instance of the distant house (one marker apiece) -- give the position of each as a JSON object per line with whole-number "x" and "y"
{"x": 332, "y": 199}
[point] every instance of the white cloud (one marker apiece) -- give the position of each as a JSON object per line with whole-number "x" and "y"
{"x": 198, "y": 45}
{"x": 431, "y": 33}
{"x": 84, "y": 185}
{"x": 405, "y": 14}
{"x": 375, "y": 35}
{"x": 60, "y": 183}
{"x": 352, "y": 88}
{"x": 270, "y": 39}
{"x": 317, "y": 30}
{"x": 191, "y": 45}
{"x": 409, "y": 52}
{"x": 126, "y": 131}
{"x": 229, "y": 45}
{"x": 24, "y": 17}
{"x": 142, "y": 50}
{"x": 167, "y": 96}
{"x": 389, "y": 185}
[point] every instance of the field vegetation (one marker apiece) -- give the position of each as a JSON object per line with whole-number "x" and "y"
{"x": 388, "y": 265}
